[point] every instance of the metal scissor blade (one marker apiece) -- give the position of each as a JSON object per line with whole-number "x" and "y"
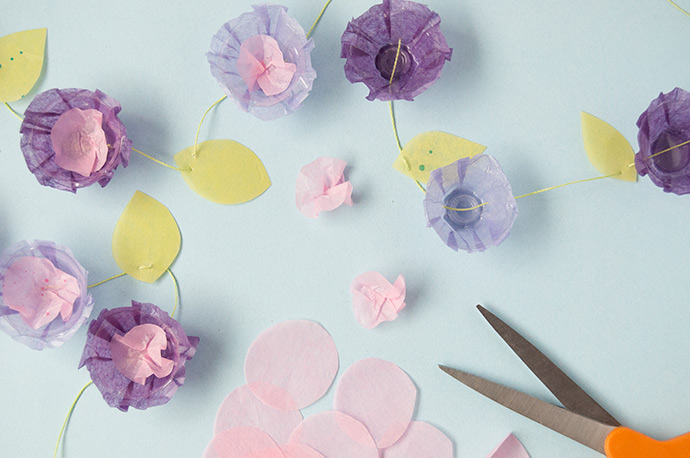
{"x": 581, "y": 429}
{"x": 568, "y": 392}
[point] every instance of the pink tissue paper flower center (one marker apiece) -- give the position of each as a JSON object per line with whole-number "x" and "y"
{"x": 375, "y": 300}
{"x": 321, "y": 186}
{"x": 137, "y": 354}
{"x": 261, "y": 65}
{"x": 79, "y": 141}
{"x": 39, "y": 291}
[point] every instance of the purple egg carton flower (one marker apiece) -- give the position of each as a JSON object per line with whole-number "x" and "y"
{"x": 467, "y": 183}
{"x": 118, "y": 390}
{"x": 43, "y": 113}
{"x": 56, "y": 332}
{"x": 370, "y": 45}
{"x": 271, "y": 21}
{"x": 665, "y": 124}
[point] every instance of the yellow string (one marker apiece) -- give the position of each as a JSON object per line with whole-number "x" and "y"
{"x": 196, "y": 139}
{"x": 569, "y": 183}
{"x": 177, "y": 292}
{"x": 466, "y": 209}
{"x": 107, "y": 280}
{"x": 69, "y": 415}
{"x": 161, "y": 163}
{"x": 679, "y": 8}
{"x": 395, "y": 127}
{"x": 668, "y": 149}
{"x": 14, "y": 112}
{"x": 323, "y": 10}
{"x": 420, "y": 186}
{"x": 395, "y": 63}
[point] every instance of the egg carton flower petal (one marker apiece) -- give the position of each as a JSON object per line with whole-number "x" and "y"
{"x": 71, "y": 305}
{"x": 466, "y": 184}
{"x": 37, "y": 142}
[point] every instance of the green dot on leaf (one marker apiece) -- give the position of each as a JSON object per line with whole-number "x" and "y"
{"x": 421, "y": 167}
{"x": 431, "y": 152}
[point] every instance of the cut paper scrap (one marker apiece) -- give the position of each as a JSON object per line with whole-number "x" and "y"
{"x": 21, "y": 61}
{"x": 509, "y": 448}
{"x": 607, "y": 149}
{"x": 375, "y": 300}
{"x": 223, "y": 171}
{"x": 146, "y": 239}
{"x": 291, "y": 365}
{"x": 421, "y": 440}
{"x": 242, "y": 408}
{"x": 295, "y": 450}
{"x": 242, "y": 442}
{"x": 432, "y": 150}
{"x": 335, "y": 435}
{"x": 380, "y": 395}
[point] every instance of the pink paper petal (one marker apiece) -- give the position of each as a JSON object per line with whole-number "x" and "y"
{"x": 261, "y": 65}
{"x": 296, "y": 450}
{"x": 39, "y": 291}
{"x": 379, "y": 395}
{"x": 137, "y": 354}
{"x": 336, "y": 435}
{"x": 421, "y": 440}
{"x": 509, "y": 448}
{"x": 375, "y": 300}
{"x": 242, "y": 408}
{"x": 291, "y": 365}
{"x": 242, "y": 442}
{"x": 79, "y": 141}
{"x": 321, "y": 186}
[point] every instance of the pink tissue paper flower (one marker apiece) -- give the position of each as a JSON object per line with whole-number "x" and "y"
{"x": 321, "y": 186}
{"x": 375, "y": 300}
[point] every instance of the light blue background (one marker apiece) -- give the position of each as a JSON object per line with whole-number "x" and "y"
{"x": 594, "y": 274}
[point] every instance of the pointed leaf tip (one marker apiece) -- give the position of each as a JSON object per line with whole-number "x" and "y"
{"x": 607, "y": 149}
{"x": 146, "y": 239}
{"x": 432, "y": 150}
{"x": 223, "y": 171}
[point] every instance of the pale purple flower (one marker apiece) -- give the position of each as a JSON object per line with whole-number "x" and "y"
{"x": 271, "y": 21}
{"x": 118, "y": 390}
{"x": 40, "y": 117}
{"x": 665, "y": 124}
{"x": 467, "y": 183}
{"x": 56, "y": 332}
{"x": 370, "y": 45}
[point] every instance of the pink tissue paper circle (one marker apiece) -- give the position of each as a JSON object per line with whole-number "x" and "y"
{"x": 421, "y": 440}
{"x": 242, "y": 408}
{"x": 511, "y": 447}
{"x": 380, "y": 395}
{"x": 296, "y": 450}
{"x": 242, "y": 442}
{"x": 336, "y": 435}
{"x": 291, "y": 365}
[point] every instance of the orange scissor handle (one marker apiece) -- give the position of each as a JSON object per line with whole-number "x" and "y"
{"x": 626, "y": 443}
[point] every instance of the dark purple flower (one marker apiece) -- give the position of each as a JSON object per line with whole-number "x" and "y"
{"x": 118, "y": 390}
{"x": 665, "y": 124}
{"x": 57, "y": 331}
{"x": 467, "y": 183}
{"x": 43, "y": 113}
{"x": 265, "y": 21}
{"x": 370, "y": 45}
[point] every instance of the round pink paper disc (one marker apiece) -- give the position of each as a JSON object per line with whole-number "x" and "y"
{"x": 421, "y": 440}
{"x": 335, "y": 435}
{"x": 379, "y": 395}
{"x": 291, "y": 365}
{"x": 242, "y": 408}
{"x": 295, "y": 450}
{"x": 242, "y": 442}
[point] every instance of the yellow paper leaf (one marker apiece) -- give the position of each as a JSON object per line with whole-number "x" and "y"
{"x": 223, "y": 171}
{"x": 607, "y": 149}
{"x": 431, "y": 150}
{"x": 21, "y": 61}
{"x": 146, "y": 239}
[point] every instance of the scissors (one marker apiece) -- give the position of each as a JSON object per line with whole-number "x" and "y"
{"x": 581, "y": 419}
